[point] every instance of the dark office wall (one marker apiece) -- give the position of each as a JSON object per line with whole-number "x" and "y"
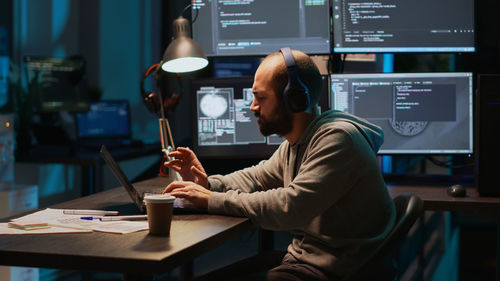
{"x": 88, "y": 32}
{"x": 6, "y": 104}
{"x": 6, "y": 14}
{"x": 119, "y": 40}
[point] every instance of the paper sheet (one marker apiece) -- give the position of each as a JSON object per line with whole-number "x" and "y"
{"x": 5, "y": 229}
{"x": 56, "y": 219}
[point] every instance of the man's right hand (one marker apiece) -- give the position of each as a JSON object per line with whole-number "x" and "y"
{"x": 188, "y": 166}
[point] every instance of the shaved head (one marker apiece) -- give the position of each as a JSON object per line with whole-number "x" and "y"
{"x": 306, "y": 68}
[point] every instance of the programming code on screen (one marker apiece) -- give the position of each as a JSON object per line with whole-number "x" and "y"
{"x": 260, "y": 27}
{"x": 419, "y": 112}
{"x": 403, "y": 26}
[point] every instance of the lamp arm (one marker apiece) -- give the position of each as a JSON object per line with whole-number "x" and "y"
{"x": 165, "y": 135}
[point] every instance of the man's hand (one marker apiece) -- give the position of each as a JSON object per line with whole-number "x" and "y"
{"x": 188, "y": 166}
{"x": 196, "y": 194}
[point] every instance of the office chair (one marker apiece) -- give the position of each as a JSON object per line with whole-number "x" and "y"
{"x": 409, "y": 208}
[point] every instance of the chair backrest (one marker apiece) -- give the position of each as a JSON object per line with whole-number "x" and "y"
{"x": 409, "y": 208}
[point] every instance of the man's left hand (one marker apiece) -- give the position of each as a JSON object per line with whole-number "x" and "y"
{"x": 191, "y": 191}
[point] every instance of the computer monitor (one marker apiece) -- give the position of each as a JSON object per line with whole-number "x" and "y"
{"x": 420, "y": 113}
{"x": 59, "y": 84}
{"x": 224, "y": 126}
{"x": 261, "y": 27}
{"x": 106, "y": 119}
{"x": 403, "y": 26}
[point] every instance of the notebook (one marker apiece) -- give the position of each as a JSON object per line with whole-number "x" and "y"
{"x": 107, "y": 122}
{"x": 181, "y": 206}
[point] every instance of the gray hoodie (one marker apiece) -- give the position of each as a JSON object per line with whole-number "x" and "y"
{"x": 326, "y": 189}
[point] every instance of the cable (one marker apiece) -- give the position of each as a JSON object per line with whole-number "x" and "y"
{"x": 329, "y": 64}
{"x": 186, "y": 8}
{"x": 342, "y": 62}
{"x": 196, "y": 16}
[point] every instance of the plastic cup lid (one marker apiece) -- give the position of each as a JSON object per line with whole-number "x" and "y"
{"x": 159, "y": 198}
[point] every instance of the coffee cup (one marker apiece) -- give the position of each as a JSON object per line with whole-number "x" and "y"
{"x": 159, "y": 208}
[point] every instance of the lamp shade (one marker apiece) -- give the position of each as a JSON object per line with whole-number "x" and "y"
{"x": 183, "y": 54}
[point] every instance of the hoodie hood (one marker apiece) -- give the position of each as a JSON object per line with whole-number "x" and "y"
{"x": 372, "y": 133}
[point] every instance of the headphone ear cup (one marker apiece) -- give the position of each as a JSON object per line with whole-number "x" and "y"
{"x": 151, "y": 102}
{"x": 150, "y": 99}
{"x": 296, "y": 94}
{"x": 296, "y": 99}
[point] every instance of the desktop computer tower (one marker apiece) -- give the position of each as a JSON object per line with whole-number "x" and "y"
{"x": 487, "y": 145}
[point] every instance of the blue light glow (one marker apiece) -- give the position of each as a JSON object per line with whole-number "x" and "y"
{"x": 60, "y": 14}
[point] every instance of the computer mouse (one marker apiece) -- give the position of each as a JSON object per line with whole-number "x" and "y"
{"x": 457, "y": 190}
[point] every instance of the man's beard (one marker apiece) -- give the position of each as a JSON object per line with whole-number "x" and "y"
{"x": 279, "y": 123}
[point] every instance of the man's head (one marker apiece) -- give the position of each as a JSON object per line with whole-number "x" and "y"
{"x": 270, "y": 80}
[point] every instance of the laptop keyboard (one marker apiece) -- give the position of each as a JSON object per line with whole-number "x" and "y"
{"x": 182, "y": 203}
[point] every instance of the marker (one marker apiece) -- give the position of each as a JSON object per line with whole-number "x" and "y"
{"x": 128, "y": 218}
{"x": 91, "y": 212}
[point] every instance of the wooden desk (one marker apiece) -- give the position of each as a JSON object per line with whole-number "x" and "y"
{"x": 90, "y": 160}
{"x": 130, "y": 254}
{"x": 436, "y": 198}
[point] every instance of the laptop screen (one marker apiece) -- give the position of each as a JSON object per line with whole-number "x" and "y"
{"x": 122, "y": 178}
{"x": 105, "y": 119}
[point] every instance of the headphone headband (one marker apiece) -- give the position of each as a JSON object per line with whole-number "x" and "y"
{"x": 296, "y": 93}
{"x": 290, "y": 63}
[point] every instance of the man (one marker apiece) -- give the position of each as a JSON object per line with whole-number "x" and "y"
{"x": 323, "y": 183}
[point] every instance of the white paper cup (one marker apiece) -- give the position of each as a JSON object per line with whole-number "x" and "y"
{"x": 159, "y": 208}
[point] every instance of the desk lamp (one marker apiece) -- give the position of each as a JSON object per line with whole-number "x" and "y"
{"x": 181, "y": 56}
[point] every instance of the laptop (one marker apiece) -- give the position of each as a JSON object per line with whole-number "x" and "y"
{"x": 107, "y": 122}
{"x": 181, "y": 206}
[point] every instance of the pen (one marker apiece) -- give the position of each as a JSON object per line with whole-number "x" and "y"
{"x": 87, "y": 218}
{"x": 91, "y": 212}
{"x": 129, "y": 218}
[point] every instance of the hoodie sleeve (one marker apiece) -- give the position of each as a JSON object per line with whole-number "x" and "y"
{"x": 266, "y": 175}
{"x": 330, "y": 166}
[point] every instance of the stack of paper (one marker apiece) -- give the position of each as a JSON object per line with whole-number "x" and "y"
{"x": 27, "y": 225}
{"x": 56, "y": 221}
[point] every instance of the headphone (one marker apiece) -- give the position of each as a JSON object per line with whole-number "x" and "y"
{"x": 152, "y": 100}
{"x": 296, "y": 94}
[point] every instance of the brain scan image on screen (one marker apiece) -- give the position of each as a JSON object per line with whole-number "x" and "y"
{"x": 213, "y": 105}
{"x": 408, "y": 128}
